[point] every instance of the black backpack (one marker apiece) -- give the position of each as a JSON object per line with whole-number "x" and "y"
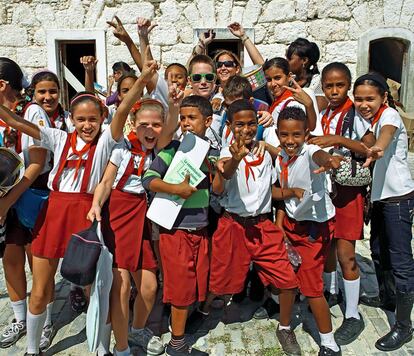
{"x": 81, "y": 257}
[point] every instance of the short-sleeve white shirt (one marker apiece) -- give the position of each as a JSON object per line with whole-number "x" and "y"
{"x": 391, "y": 175}
{"x": 54, "y": 140}
{"x": 300, "y": 175}
{"x": 120, "y": 157}
{"x": 256, "y": 197}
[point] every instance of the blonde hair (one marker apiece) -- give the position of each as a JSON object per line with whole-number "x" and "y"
{"x": 150, "y": 105}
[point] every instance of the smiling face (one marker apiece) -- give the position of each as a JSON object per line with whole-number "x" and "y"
{"x": 46, "y": 95}
{"x": 87, "y": 119}
{"x": 292, "y": 135}
{"x": 335, "y": 85}
{"x": 244, "y": 124}
{"x": 276, "y": 79}
{"x": 224, "y": 70}
{"x": 192, "y": 120}
{"x": 126, "y": 84}
{"x": 368, "y": 100}
{"x": 178, "y": 75}
{"x": 203, "y": 87}
{"x": 148, "y": 127}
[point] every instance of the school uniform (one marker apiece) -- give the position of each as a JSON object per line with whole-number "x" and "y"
{"x": 17, "y": 233}
{"x": 184, "y": 249}
{"x": 72, "y": 182}
{"x": 311, "y": 232}
{"x": 125, "y": 228}
{"x": 269, "y": 136}
{"x": 349, "y": 201}
{"x": 393, "y": 202}
{"x": 245, "y": 233}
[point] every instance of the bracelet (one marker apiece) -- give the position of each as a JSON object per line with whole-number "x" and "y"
{"x": 244, "y": 38}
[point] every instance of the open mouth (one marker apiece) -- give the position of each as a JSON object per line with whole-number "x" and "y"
{"x": 150, "y": 139}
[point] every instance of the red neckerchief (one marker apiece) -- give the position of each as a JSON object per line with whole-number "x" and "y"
{"x": 285, "y": 95}
{"x": 328, "y": 116}
{"x": 73, "y": 140}
{"x": 3, "y": 124}
{"x": 137, "y": 150}
{"x": 285, "y": 170}
{"x": 54, "y": 117}
{"x": 248, "y": 168}
{"x": 378, "y": 114}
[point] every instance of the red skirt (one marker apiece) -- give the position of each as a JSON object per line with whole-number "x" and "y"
{"x": 61, "y": 216}
{"x": 126, "y": 231}
{"x": 349, "y": 206}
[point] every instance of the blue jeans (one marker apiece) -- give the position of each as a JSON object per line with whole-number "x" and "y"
{"x": 391, "y": 237}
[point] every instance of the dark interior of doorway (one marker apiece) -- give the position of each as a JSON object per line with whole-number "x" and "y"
{"x": 234, "y": 46}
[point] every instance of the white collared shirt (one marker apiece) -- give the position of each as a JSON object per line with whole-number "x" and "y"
{"x": 391, "y": 175}
{"x": 300, "y": 175}
{"x": 253, "y": 197}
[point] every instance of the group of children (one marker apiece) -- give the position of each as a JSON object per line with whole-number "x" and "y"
{"x": 267, "y": 192}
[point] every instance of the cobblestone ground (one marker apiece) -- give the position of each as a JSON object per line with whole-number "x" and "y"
{"x": 233, "y": 332}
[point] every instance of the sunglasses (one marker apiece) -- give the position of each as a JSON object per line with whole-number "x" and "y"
{"x": 209, "y": 77}
{"x": 227, "y": 64}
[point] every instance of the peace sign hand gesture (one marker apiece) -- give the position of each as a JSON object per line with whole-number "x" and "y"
{"x": 145, "y": 26}
{"x": 119, "y": 30}
{"x": 149, "y": 67}
{"x": 175, "y": 94}
{"x": 298, "y": 93}
{"x": 238, "y": 149}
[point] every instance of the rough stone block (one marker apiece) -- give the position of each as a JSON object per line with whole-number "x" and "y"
{"x": 129, "y": 12}
{"x": 369, "y": 14}
{"x": 12, "y": 35}
{"x": 178, "y": 53}
{"x": 251, "y": 13}
{"x": 170, "y": 11}
{"x": 328, "y": 29}
{"x": 94, "y": 12}
{"x": 288, "y": 31}
{"x": 279, "y": 11}
{"x": 273, "y": 50}
{"x": 31, "y": 56}
{"x": 164, "y": 34}
{"x": 342, "y": 51}
{"x": 24, "y": 15}
{"x": 332, "y": 8}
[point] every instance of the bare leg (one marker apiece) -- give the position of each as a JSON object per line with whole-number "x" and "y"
{"x": 286, "y": 299}
{"x": 320, "y": 311}
{"x": 14, "y": 260}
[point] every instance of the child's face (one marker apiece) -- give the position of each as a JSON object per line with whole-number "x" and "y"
{"x": 244, "y": 124}
{"x": 192, "y": 120}
{"x": 177, "y": 76}
{"x": 292, "y": 135}
{"x": 368, "y": 100}
{"x": 87, "y": 120}
{"x": 126, "y": 84}
{"x": 296, "y": 63}
{"x": 117, "y": 74}
{"x": 335, "y": 86}
{"x": 148, "y": 127}
{"x": 203, "y": 87}
{"x": 47, "y": 96}
{"x": 276, "y": 79}
{"x": 226, "y": 68}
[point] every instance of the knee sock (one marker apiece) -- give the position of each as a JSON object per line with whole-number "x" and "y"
{"x": 328, "y": 341}
{"x": 352, "y": 298}
{"x": 177, "y": 342}
{"x": 48, "y": 320}
{"x": 34, "y": 331}
{"x": 275, "y": 297}
{"x": 330, "y": 280}
{"x": 286, "y": 327}
{"x": 19, "y": 309}
{"x": 104, "y": 341}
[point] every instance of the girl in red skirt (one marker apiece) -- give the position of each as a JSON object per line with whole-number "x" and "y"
{"x": 344, "y": 131}
{"x": 79, "y": 162}
{"x": 125, "y": 228}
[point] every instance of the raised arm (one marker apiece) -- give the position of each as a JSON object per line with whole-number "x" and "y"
{"x": 89, "y": 63}
{"x": 237, "y": 30}
{"x": 377, "y": 150}
{"x": 238, "y": 151}
{"x": 19, "y": 124}
{"x": 325, "y": 161}
{"x": 149, "y": 69}
{"x": 123, "y": 36}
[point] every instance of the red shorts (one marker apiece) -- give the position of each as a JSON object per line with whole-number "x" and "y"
{"x": 235, "y": 246}
{"x": 313, "y": 252}
{"x": 126, "y": 231}
{"x": 185, "y": 262}
{"x": 61, "y": 216}
{"x": 16, "y": 233}
{"x": 349, "y": 206}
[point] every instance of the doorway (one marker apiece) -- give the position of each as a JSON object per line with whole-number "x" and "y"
{"x": 234, "y": 46}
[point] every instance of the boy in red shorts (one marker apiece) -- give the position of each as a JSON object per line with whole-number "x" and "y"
{"x": 310, "y": 230}
{"x": 184, "y": 249}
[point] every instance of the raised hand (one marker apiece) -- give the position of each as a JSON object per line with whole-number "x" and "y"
{"x": 175, "y": 94}
{"x": 238, "y": 149}
{"x": 184, "y": 189}
{"x": 145, "y": 26}
{"x": 236, "y": 29}
{"x": 89, "y": 63}
{"x": 119, "y": 30}
{"x": 149, "y": 67}
{"x": 332, "y": 162}
{"x": 205, "y": 40}
{"x": 298, "y": 93}
{"x": 259, "y": 148}
{"x": 373, "y": 153}
{"x": 265, "y": 118}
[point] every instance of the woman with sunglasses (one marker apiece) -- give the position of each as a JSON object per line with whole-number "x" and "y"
{"x": 227, "y": 65}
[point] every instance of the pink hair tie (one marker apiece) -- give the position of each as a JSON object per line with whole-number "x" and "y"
{"x": 84, "y": 96}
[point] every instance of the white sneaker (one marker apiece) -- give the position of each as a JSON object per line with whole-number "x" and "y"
{"x": 48, "y": 333}
{"x": 12, "y": 333}
{"x": 146, "y": 339}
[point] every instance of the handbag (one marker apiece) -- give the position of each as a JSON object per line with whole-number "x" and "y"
{"x": 2, "y": 239}
{"x": 351, "y": 172}
{"x": 29, "y": 205}
{"x": 81, "y": 256}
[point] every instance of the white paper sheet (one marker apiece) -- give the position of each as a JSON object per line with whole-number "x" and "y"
{"x": 307, "y": 202}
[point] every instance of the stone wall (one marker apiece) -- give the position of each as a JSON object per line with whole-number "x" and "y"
{"x": 335, "y": 25}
